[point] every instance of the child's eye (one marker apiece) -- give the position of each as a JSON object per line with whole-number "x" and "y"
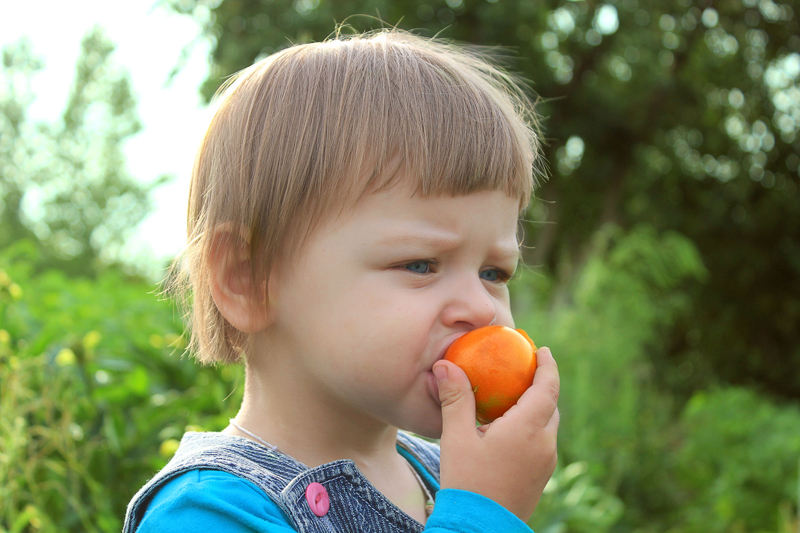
{"x": 419, "y": 267}
{"x": 495, "y": 275}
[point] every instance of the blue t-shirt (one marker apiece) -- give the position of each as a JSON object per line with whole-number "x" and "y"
{"x": 211, "y": 500}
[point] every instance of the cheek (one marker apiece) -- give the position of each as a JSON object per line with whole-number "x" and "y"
{"x": 504, "y": 317}
{"x": 387, "y": 339}
{"x": 397, "y": 314}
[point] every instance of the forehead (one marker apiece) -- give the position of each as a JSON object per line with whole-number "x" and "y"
{"x": 400, "y": 215}
{"x": 401, "y": 218}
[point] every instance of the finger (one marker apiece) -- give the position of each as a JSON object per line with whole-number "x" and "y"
{"x": 546, "y": 377}
{"x": 458, "y": 400}
{"x": 540, "y": 401}
{"x": 555, "y": 420}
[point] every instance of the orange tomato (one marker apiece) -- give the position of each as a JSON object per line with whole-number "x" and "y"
{"x": 500, "y": 363}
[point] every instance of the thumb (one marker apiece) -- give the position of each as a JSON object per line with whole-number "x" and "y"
{"x": 458, "y": 400}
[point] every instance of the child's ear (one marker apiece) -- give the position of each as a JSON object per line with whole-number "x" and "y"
{"x": 240, "y": 302}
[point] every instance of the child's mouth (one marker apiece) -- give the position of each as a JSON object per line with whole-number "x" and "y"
{"x": 433, "y": 385}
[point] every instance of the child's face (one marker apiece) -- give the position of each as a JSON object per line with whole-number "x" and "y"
{"x": 376, "y": 298}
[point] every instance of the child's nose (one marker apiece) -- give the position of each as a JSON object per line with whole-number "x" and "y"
{"x": 472, "y": 304}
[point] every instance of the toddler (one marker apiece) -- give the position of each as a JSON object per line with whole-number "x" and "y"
{"x": 353, "y": 210}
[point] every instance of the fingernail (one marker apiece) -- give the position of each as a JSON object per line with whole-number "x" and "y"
{"x": 440, "y": 372}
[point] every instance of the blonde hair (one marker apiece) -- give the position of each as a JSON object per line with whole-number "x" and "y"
{"x": 309, "y": 130}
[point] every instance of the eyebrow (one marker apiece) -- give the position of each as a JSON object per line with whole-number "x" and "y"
{"x": 447, "y": 243}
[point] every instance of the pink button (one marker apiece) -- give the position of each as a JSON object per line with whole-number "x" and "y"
{"x": 317, "y": 498}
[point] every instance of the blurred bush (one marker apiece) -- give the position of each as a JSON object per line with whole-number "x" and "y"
{"x": 725, "y": 461}
{"x": 738, "y": 462}
{"x": 94, "y": 394}
{"x": 573, "y": 502}
{"x": 63, "y": 182}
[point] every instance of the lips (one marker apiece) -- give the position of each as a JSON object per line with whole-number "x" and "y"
{"x": 450, "y": 339}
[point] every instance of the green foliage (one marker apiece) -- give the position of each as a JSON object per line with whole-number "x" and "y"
{"x": 572, "y": 502}
{"x": 671, "y": 472}
{"x": 602, "y": 331}
{"x": 93, "y": 387}
{"x": 63, "y": 183}
{"x": 739, "y": 462}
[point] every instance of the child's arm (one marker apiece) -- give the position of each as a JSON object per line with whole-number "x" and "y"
{"x": 511, "y": 459}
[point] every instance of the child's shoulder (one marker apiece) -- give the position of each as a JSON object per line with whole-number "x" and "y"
{"x": 201, "y": 499}
{"x": 201, "y": 458}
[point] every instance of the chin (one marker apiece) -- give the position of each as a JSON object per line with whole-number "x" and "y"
{"x": 429, "y": 429}
{"x": 436, "y": 435}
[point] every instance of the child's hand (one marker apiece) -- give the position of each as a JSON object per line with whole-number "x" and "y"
{"x": 511, "y": 459}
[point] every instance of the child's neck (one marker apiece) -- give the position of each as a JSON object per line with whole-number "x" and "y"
{"x": 313, "y": 432}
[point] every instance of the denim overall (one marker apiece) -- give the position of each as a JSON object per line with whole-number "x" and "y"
{"x": 355, "y": 505}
